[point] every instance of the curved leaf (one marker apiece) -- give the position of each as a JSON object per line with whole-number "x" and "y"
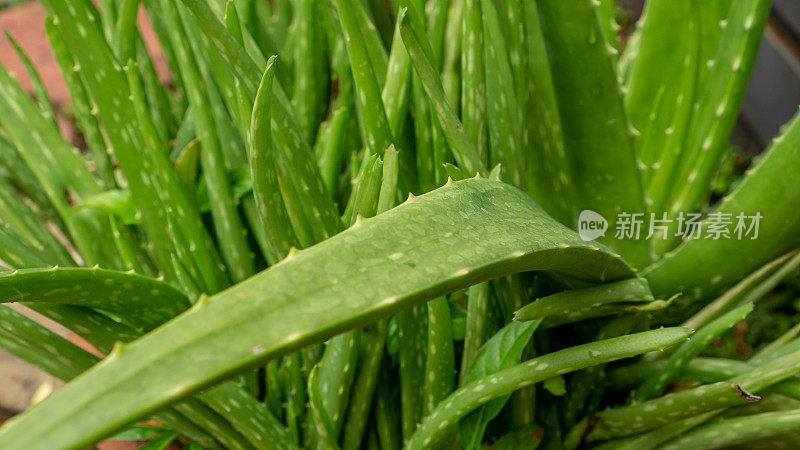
{"x": 500, "y": 352}
{"x": 381, "y": 266}
{"x": 142, "y": 301}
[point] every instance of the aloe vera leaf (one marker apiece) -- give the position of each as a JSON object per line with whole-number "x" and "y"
{"x": 15, "y": 170}
{"x": 735, "y": 294}
{"x": 17, "y": 215}
{"x": 210, "y": 420}
{"x": 707, "y": 370}
{"x": 114, "y": 202}
{"x": 658, "y": 106}
{"x": 606, "y": 310}
{"x": 606, "y": 175}
{"x": 421, "y": 54}
{"x": 42, "y": 97}
{"x": 323, "y": 427}
{"x": 364, "y": 198}
{"x": 396, "y": 90}
{"x": 387, "y": 412}
{"x": 387, "y": 198}
{"x": 451, "y": 57}
{"x": 294, "y": 384}
{"x": 583, "y": 383}
{"x": 310, "y": 92}
{"x": 502, "y": 110}
{"x": 89, "y": 125}
{"x": 511, "y": 235}
{"x": 293, "y": 154}
{"x": 152, "y": 188}
{"x": 423, "y": 137}
{"x": 658, "y": 437}
{"x": 186, "y": 164}
{"x": 511, "y": 292}
{"x": 713, "y": 121}
{"x": 512, "y": 19}
{"x": 423, "y": 130}
{"x": 607, "y": 15}
{"x": 654, "y": 385}
{"x": 244, "y": 110}
{"x": 440, "y": 361}
{"x": 186, "y": 269}
{"x": 624, "y": 421}
{"x": 48, "y": 351}
{"x": 108, "y": 290}
{"x": 228, "y": 227}
{"x": 331, "y": 146}
{"x": 773, "y": 346}
{"x": 437, "y": 13}
{"x": 480, "y": 391}
{"x": 372, "y": 341}
{"x": 145, "y": 120}
{"x": 248, "y": 416}
{"x": 274, "y": 218}
{"x": 102, "y": 333}
{"x": 380, "y": 13}
{"x": 15, "y": 251}
{"x": 97, "y": 329}
{"x": 336, "y": 372}
{"x": 549, "y": 178}
{"x": 125, "y": 31}
{"x": 477, "y": 325}
{"x": 632, "y": 290}
{"x": 379, "y": 135}
{"x": 153, "y": 9}
{"x": 411, "y": 355}
{"x": 765, "y": 180}
{"x": 473, "y": 79}
{"x": 244, "y": 67}
{"x": 748, "y": 428}
{"x": 500, "y": 352}
{"x": 163, "y": 106}
{"x": 42, "y": 347}
{"x": 378, "y": 56}
{"x": 55, "y": 164}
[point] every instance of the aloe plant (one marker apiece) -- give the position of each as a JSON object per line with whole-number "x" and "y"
{"x": 361, "y": 224}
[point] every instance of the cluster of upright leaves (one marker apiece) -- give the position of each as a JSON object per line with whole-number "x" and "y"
{"x": 416, "y": 327}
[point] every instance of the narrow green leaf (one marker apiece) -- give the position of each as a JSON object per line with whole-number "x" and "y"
{"x": 419, "y": 48}
{"x": 379, "y": 135}
{"x": 272, "y": 212}
{"x": 733, "y": 259}
{"x": 143, "y": 301}
{"x": 42, "y": 97}
{"x": 634, "y": 290}
{"x": 653, "y": 386}
{"x": 597, "y": 137}
{"x": 618, "y": 422}
{"x": 501, "y": 352}
{"x": 480, "y": 391}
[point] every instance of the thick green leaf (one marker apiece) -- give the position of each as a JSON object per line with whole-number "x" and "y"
{"x": 682, "y": 270}
{"x": 143, "y": 301}
{"x": 597, "y": 135}
{"x": 488, "y": 229}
